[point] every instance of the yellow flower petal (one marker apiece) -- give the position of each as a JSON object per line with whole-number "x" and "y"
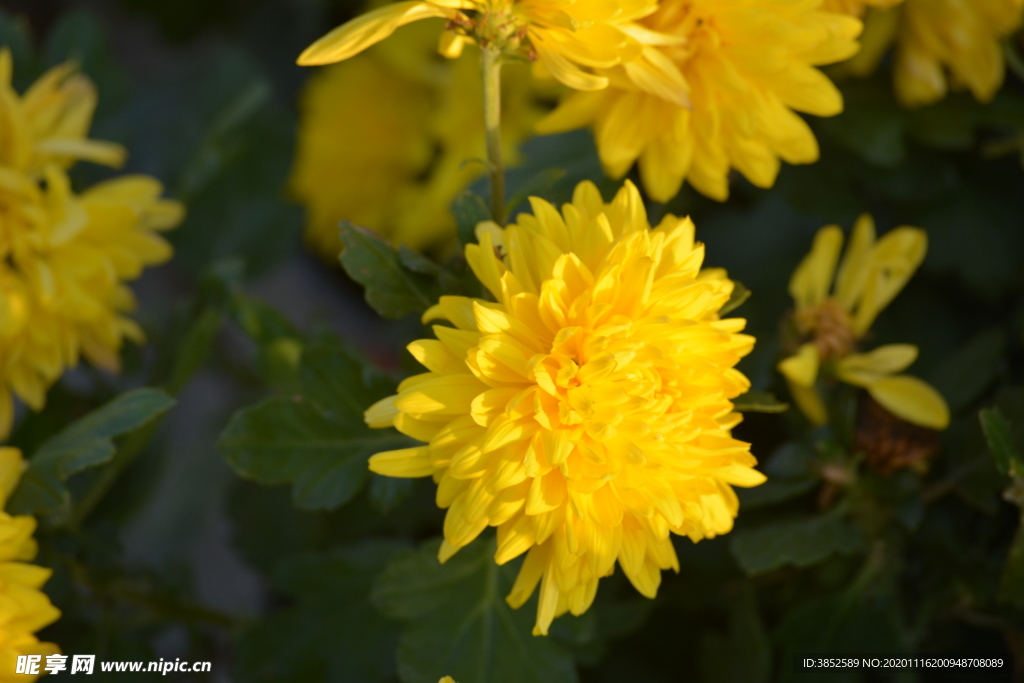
{"x": 367, "y": 29}
{"x": 862, "y": 369}
{"x": 912, "y": 399}
{"x": 894, "y": 259}
{"x": 853, "y": 271}
{"x": 802, "y": 367}
{"x": 811, "y": 280}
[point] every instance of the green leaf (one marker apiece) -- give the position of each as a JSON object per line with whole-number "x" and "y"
{"x": 739, "y": 295}
{"x": 84, "y": 444}
{"x": 387, "y": 493}
{"x": 392, "y": 289}
{"x": 332, "y": 633}
{"x": 999, "y": 436}
{"x": 317, "y": 439}
{"x": 759, "y": 402}
{"x": 965, "y": 375}
{"x": 459, "y": 624}
{"x": 469, "y": 209}
{"x": 800, "y": 542}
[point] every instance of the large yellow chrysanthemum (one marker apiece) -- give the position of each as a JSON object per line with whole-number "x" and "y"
{"x": 748, "y": 65}
{"x": 24, "y": 608}
{"x": 941, "y": 44}
{"x": 830, "y": 325}
{"x": 64, "y": 258}
{"x": 569, "y": 38}
{"x": 396, "y": 161}
{"x": 586, "y": 412}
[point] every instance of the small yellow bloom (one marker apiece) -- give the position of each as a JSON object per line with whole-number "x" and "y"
{"x": 747, "y": 67}
{"x": 65, "y": 258}
{"x": 587, "y": 411}
{"x": 835, "y": 309}
{"x": 569, "y": 38}
{"x": 24, "y": 608}
{"x": 406, "y": 150}
{"x": 941, "y": 44}
{"x": 447, "y": 679}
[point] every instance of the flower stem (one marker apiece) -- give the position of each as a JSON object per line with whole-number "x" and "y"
{"x": 490, "y": 67}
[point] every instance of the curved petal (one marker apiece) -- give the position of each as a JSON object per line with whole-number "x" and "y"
{"x": 802, "y": 367}
{"x": 853, "y": 271}
{"x": 893, "y": 261}
{"x": 368, "y": 29}
{"x": 862, "y": 369}
{"x": 912, "y": 399}
{"x": 809, "y": 403}
{"x": 810, "y": 282}
{"x": 562, "y": 69}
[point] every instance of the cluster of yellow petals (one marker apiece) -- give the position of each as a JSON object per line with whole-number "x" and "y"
{"x": 65, "y": 258}
{"x": 587, "y": 411}
{"x": 24, "y": 608}
{"x": 746, "y": 67}
{"x": 831, "y": 320}
{"x": 394, "y": 128}
{"x": 570, "y": 39}
{"x": 940, "y": 44}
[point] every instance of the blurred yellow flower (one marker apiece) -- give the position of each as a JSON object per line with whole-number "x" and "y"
{"x": 50, "y": 123}
{"x": 24, "y": 608}
{"x": 396, "y": 161}
{"x": 941, "y": 44}
{"x": 588, "y": 412}
{"x": 64, "y": 258}
{"x": 855, "y": 8}
{"x": 569, "y": 38}
{"x": 748, "y": 65}
{"x": 830, "y": 325}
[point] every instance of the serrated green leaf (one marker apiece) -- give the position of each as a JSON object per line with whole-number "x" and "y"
{"x": 999, "y": 436}
{"x": 459, "y": 624}
{"x": 392, "y": 289}
{"x": 801, "y": 543}
{"x": 316, "y": 440}
{"x": 84, "y": 444}
{"x": 469, "y": 209}
{"x": 332, "y": 633}
{"x": 759, "y": 402}
{"x": 739, "y": 295}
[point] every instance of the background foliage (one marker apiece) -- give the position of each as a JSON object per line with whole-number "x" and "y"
{"x": 226, "y": 512}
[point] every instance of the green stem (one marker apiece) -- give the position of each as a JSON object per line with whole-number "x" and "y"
{"x": 490, "y": 68}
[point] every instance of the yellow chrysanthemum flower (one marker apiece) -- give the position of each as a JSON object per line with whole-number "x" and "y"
{"x": 586, "y": 412}
{"x": 748, "y": 66}
{"x": 397, "y": 161}
{"x": 569, "y": 38}
{"x": 64, "y": 259}
{"x": 941, "y": 44}
{"x": 50, "y": 124}
{"x": 24, "y": 608}
{"x": 831, "y": 325}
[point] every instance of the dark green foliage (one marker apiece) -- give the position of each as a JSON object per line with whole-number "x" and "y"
{"x": 458, "y": 623}
{"x": 84, "y": 444}
{"x": 315, "y": 439}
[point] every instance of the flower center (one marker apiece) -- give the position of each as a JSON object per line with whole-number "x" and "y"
{"x": 829, "y": 327}
{"x": 601, "y": 382}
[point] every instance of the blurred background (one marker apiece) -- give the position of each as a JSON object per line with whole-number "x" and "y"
{"x": 189, "y": 560}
